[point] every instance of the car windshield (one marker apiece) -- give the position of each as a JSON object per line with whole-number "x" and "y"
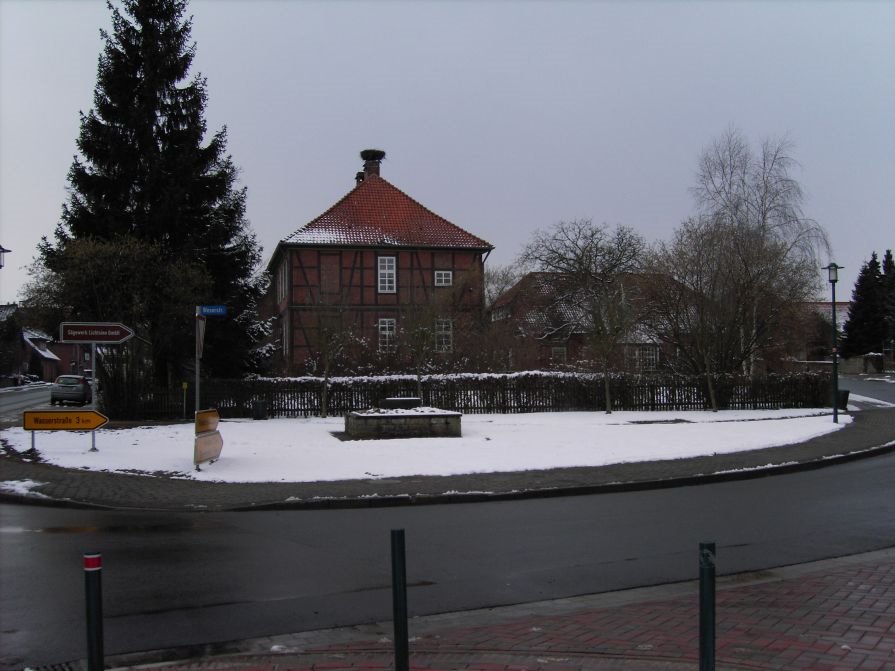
{"x": 68, "y": 380}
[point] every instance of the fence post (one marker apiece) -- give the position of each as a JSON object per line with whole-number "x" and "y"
{"x": 706, "y": 607}
{"x": 399, "y": 601}
{"x": 93, "y": 589}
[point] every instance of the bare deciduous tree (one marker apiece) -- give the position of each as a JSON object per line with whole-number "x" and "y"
{"x": 589, "y": 262}
{"x": 758, "y": 203}
{"x": 721, "y": 294}
{"x": 498, "y": 279}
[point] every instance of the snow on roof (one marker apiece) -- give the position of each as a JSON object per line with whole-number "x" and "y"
{"x": 37, "y": 340}
{"x": 377, "y": 213}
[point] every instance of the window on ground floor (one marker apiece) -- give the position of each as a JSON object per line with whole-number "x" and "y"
{"x": 387, "y": 329}
{"x": 642, "y": 358}
{"x": 444, "y": 335}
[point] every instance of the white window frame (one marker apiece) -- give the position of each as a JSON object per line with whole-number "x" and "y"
{"x": 644, "y": 358}
{"x": 444, "y": 278}
{"x": 282, "y": 281}
{"x": 649, "y": 358}
{"x": 387, "y": 274}
{"x": 388, "y": 330}
{"x": 444, "y": 335}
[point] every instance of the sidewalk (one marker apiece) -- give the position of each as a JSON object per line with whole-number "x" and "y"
{"x": 825, "y": 616}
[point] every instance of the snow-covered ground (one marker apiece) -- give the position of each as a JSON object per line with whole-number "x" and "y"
{"x": 305, "y": 450}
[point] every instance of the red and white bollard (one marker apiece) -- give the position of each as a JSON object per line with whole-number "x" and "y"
{"x": 93, "y": 589}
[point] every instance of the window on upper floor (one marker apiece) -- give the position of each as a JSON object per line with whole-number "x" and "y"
{"x": 444, "y": 278}
{"x": 387, "y": 275}
{"x": 283, "y": 281}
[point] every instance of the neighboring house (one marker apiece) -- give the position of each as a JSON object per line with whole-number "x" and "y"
{"x": 41, "y": 361}
{"x": 73, "y": 357}
{"x": 371, "y": 265}
{"x": 23, "y": 350}
{"x": 824, "y": 309}
{"x": 545, "y": 325}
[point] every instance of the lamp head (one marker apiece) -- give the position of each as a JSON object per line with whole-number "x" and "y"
{"x": 833, "y": 273}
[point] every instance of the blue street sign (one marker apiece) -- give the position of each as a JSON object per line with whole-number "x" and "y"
{"x": 213, "y": 310}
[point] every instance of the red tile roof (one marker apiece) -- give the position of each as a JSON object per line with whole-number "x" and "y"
{"x": 377, "y": 213}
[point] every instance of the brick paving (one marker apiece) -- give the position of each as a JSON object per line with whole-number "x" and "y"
{"x": 836, "y": 615}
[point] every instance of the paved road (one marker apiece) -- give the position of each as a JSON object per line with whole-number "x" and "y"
{"x": 880, "y": 386}
{"x": 15, "y": 400}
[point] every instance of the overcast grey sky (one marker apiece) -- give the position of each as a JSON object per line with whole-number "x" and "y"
{"x": 502, "y": 117}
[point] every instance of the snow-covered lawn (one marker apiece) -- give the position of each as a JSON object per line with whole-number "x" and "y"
{"x": 306, "y": 450}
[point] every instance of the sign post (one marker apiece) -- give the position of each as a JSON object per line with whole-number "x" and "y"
{"x": 203, "y": 311}
{"x": 200, "y": 336}
{"x": 103, "y": 333}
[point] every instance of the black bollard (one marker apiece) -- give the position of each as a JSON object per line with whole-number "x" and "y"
{"x": 93, "y": 588}
{"x": 399, "y": 602}
{"x": 706, "y": 607}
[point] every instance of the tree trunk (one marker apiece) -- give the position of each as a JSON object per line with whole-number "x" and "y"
{"x": 606, "y": 387}
{"x": 324, "y": 394}
{"x": 713, "y": 402}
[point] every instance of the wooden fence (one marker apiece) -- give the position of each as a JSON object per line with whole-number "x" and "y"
{"x": 485, "y": 393}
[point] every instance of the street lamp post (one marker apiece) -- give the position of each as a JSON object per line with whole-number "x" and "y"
{"x": 833, "y": 277}
{"x": 3, "y": 252}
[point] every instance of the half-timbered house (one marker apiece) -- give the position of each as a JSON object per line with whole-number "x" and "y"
{"x": 370, "y": 266}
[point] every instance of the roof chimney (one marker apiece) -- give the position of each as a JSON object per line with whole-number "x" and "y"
{"x": 372, "y": 159}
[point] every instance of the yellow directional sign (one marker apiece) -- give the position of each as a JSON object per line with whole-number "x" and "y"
{"x": 63, "y": 420}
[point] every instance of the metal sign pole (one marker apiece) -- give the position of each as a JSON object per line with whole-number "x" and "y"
{"x": 93, "y": 392}
{"x": 198, "y": 356}
{"x": 93, "y": 375}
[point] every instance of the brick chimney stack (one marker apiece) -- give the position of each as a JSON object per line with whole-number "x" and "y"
{"x": 372, "y": 158}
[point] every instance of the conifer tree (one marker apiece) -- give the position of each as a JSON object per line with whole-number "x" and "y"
{"x": 864, "y": 330}
{"x": 146, "y": 174}
{"x": 888, "y": 281}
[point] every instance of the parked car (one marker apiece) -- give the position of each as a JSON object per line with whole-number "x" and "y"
{"x": 88, "y": 373}
{"x": 72, "y": 388}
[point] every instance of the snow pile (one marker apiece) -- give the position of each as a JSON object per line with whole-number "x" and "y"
{"x": 305, "y": 450}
